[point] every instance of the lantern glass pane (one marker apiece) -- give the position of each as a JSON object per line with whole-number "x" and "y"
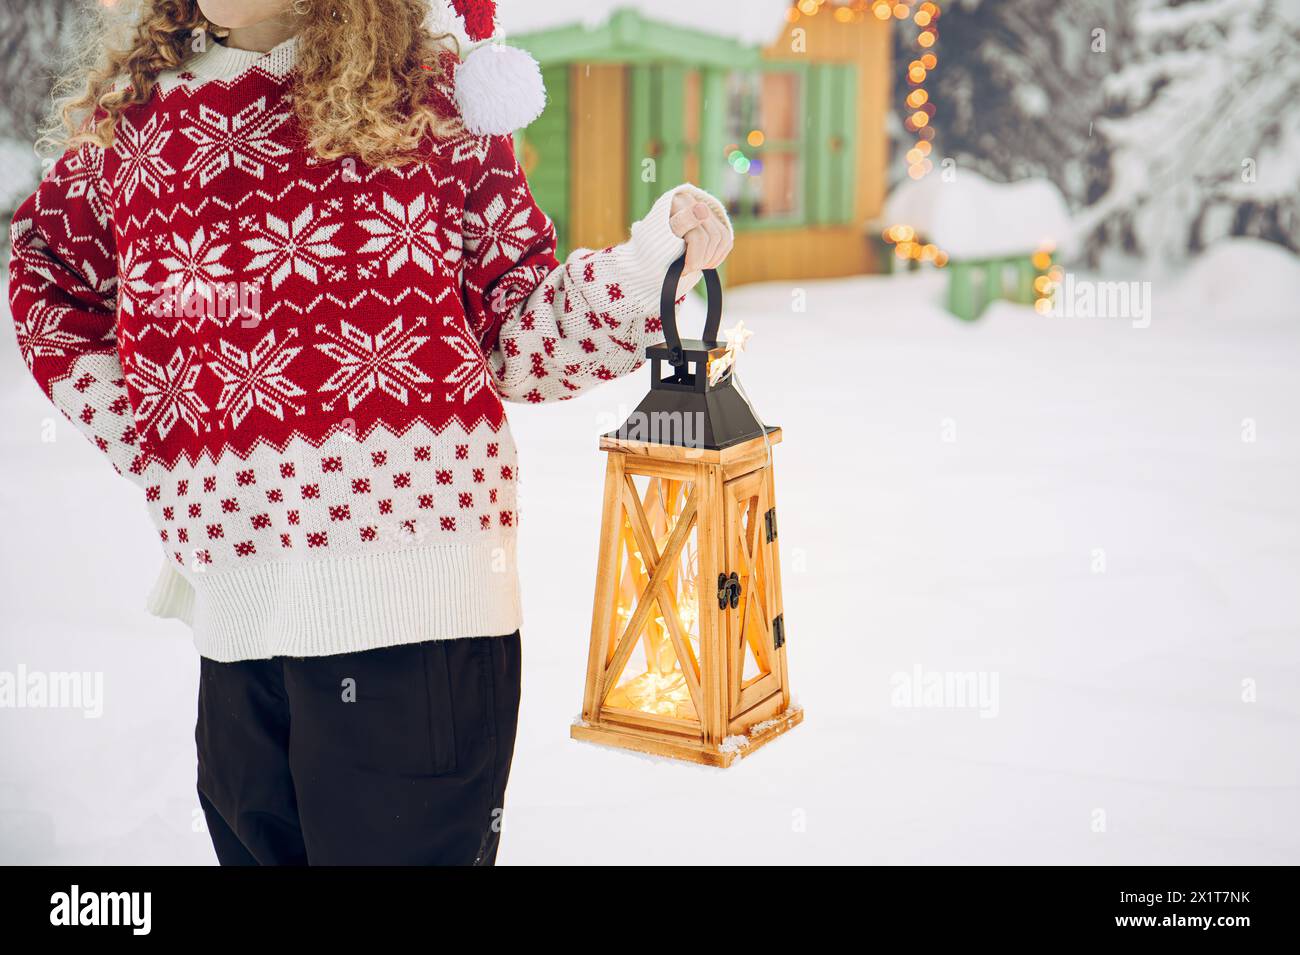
{"x": 653, "y": 680}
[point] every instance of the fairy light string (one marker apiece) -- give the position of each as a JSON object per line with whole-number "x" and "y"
{"x": 907, "y": 244}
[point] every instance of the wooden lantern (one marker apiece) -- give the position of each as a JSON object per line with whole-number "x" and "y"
{"x": 687, "y": 656}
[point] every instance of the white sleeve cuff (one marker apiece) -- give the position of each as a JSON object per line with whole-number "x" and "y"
{"x": 644, "y": 259}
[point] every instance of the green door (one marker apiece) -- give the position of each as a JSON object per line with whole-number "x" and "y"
{"x": 657, "y": 127}
{"x": 544, "y": 148}
{"x": 831, "y": 127}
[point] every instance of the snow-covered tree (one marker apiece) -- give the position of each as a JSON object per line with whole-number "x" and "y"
{"x": 33, "y": 40}
{"x": 1205, "y": 128}
{"x": 1018, "y": 87}
{"x": 1166, "y": 123}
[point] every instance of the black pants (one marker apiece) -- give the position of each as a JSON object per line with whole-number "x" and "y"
{"x": 397, "y": 756}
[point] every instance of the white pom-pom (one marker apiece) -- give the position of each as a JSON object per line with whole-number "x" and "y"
{"x": 499, "y": 89}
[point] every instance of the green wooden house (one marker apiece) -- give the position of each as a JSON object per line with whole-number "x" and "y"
{"x": 791, "y": 136}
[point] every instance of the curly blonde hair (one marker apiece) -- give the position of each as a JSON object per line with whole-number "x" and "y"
{"x": 363, "y": 86}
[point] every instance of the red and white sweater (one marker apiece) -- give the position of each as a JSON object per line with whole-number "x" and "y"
{"x": 302, "y": 363}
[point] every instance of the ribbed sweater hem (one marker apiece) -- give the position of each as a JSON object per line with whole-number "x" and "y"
{"x": 359, "y": 602}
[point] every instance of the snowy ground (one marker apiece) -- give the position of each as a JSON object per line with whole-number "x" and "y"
{"x": 1120, "y": 693}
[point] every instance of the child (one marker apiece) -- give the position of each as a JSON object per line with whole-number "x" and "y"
{"x": 284, "y": 278}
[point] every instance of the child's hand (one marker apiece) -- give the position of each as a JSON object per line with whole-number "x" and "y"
{"x": 708, "y": 241}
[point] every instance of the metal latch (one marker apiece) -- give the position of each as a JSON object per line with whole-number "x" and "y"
{"x": 770, "y": 519}
{"x": 778, "y": 631}
{"x": 728, "y": 591}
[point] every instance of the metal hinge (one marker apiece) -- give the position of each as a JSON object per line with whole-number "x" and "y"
{"x": 728, "y": 591}
{"x": 770, "y": 519}
{"x": 778, "y": 631}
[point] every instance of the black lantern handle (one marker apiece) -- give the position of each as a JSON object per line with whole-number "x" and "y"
{"x": 668, "y": 310}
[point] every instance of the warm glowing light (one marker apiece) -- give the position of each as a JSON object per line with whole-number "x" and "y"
{"x": 756, "y": 138}
{"x": 901, "y": 11}
{"x": 843, "y": 14}
{"x": 903, "y": 250}
{"x": 882, "y": 11}
{"x": 1043, "y": 305}
{"x": 941, "y": 258}
{"x": 808, "y": 7}
{"x": 1042, "y": 261}
{"x": 918, "y": 121}
{"x": 662, "y": 688}
{"x": 664, "y": 694}
{"x": 1042, "y": 284}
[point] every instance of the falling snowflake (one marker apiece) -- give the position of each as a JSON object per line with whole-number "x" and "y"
{"x": 299, "y": 247}
{"x": 245, "y": 141}
{"x": 140, "y": 151}
{"x": 167, "y": 391}
{"x": 409, "y": 233}
{"x": 256, "y": 378}
{"x": 470, "y": 376}
{"x": 369, "y": 362}
{"x": 499, "y": 230}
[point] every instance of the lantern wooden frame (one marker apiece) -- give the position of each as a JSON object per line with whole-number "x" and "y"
{"x": 728, "y": 498}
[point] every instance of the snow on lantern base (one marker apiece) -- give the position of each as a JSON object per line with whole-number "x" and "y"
{"x": 687, "y": 650}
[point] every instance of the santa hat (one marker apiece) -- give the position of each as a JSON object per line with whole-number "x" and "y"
{"x": 498, "y": 88}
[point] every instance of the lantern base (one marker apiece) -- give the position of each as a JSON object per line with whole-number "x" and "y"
{"x": 690, "y": 750}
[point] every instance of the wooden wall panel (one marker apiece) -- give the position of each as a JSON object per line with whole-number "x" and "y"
{"x": 766, "y": 255}
{"x": 598, "y": 211}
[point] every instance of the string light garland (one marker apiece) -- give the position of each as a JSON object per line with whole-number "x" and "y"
{"x": 919, "y": 120}
{"x": 1048, "y": 278}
